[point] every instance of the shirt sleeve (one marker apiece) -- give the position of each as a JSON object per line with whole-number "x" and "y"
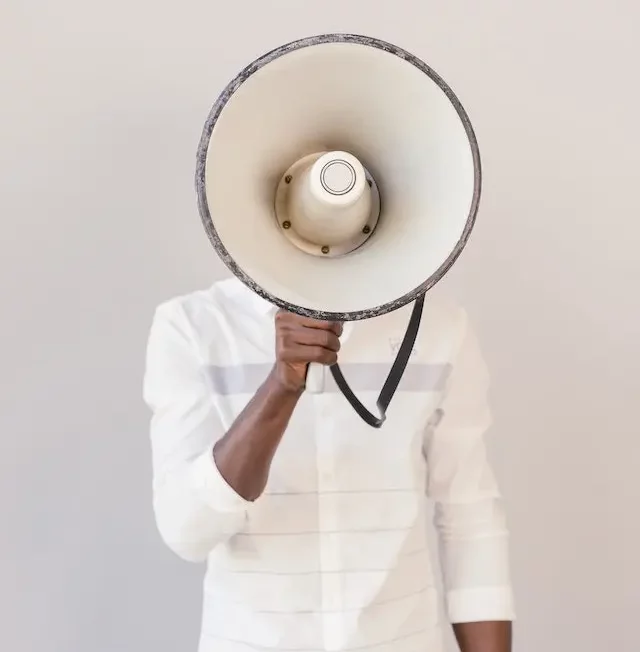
{"x": 469, "y": 513}
{"x": 195, "y": 509}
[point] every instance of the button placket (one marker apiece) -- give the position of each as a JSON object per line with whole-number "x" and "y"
{"x": 329, "y": 536}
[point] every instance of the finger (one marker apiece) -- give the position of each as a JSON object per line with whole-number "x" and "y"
{"x": 290, "y": 318}
{"x": 319, "y": 354}
{"x": 315, "y": 337}
{"x": 307, "y": 354}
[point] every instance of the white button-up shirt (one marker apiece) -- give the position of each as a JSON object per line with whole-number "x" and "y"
{"x": 334, "y": 555}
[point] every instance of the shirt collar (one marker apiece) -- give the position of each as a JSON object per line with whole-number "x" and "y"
{"x": 245, "y": 295}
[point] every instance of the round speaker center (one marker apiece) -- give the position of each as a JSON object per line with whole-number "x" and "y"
{"x": 327, "y": 204}
{"x": 338, "y": 177}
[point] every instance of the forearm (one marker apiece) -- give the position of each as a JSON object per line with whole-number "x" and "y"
{"x": 202, "y": 490}
{"x": 244, "y": 454}
{"x": 203, "y": 501}
{"x": 492, "y": 636}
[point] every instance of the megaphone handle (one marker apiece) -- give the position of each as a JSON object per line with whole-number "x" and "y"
{"x": 314, "y": 383}
{"x": 395, "y": 374}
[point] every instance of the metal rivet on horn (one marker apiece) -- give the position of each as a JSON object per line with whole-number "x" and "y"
{"x": 325, "y": 249}
{"x": 286, "y": 224}
{"x": 288, "y": 178}
{"x": 366, "y": 229}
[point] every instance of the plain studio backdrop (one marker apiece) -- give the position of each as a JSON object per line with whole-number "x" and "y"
{"x": 101, "y": 109}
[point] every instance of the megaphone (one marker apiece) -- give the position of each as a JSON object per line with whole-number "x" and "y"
{"x": 338, "y": 177}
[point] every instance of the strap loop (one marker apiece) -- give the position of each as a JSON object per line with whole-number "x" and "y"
{"x": 395, "y": 374}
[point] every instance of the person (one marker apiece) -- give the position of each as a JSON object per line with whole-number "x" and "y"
{"x": 314, "y": 525}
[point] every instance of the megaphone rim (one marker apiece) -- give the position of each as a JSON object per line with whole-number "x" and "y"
{"x": 201, "y": 161}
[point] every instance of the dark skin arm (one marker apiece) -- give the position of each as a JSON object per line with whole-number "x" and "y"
{"x": 492, "y": 636}
{"x": 244, "y": 455}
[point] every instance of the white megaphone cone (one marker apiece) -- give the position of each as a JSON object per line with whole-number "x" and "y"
{"x": 339, "y": 178}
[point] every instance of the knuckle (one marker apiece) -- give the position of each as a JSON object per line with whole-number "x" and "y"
{"x": 283, "y": 347}
{"x": 330, "y": 341}
{"x": 331, "y": 358}
{"x": 283, "y": 317}
{"x": 324, "y": 355}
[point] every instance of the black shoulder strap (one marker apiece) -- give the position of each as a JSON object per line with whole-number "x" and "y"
{"x": 395, "y": 374}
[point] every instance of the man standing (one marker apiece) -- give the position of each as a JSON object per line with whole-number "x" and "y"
{"x": 314, "y": 525}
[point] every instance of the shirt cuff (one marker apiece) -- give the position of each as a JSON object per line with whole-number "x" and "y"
{"x": 214, "y": 490}
{"x": 481, "y": 604}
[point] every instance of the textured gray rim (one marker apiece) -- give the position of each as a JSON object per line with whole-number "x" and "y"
{"x": 201, "y": 163}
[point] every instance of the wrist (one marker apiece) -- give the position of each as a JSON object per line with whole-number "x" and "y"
{"x": 281, "y": 383}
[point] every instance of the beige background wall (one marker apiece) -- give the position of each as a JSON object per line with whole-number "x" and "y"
{"x": 101, "y": 106}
